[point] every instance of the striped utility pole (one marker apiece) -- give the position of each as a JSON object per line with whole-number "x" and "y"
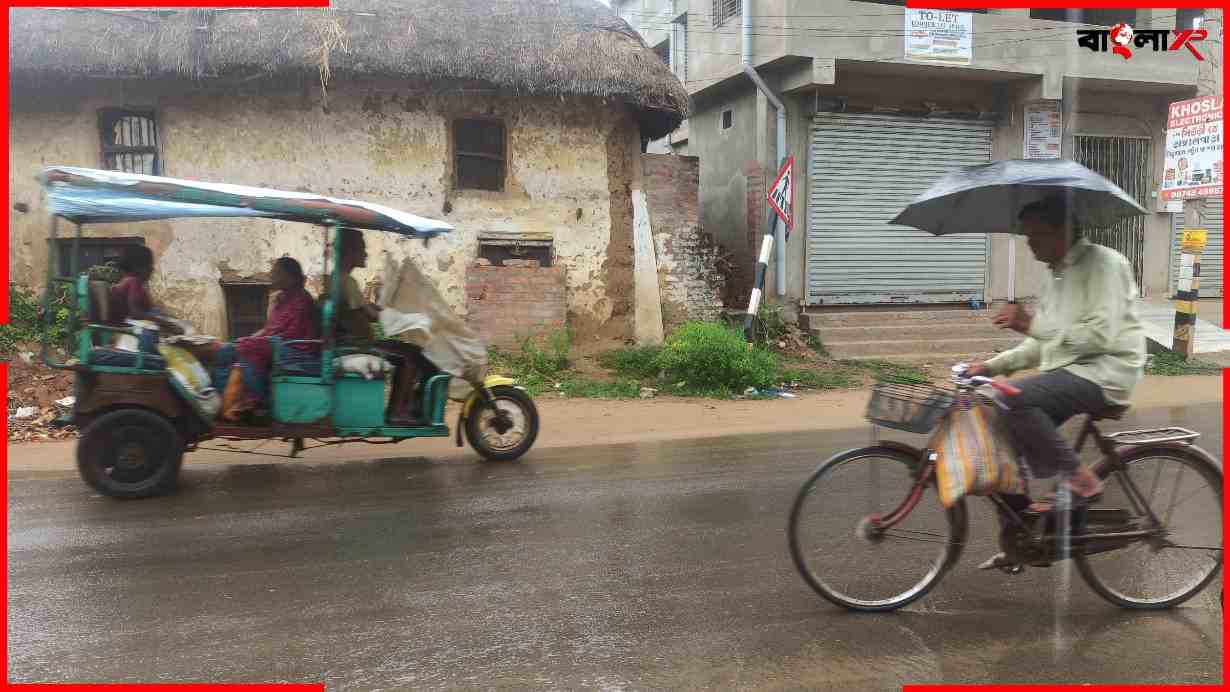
{"x": 1184, "y": 342}
{"x": 766, "y": 251}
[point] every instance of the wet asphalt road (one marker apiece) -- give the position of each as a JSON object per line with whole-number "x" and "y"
{"x": 656, "y": 566}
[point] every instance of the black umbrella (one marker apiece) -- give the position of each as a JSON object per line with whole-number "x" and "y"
{"x": 988, "y": 198}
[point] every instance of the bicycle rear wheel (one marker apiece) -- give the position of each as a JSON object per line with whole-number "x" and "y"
{"x": 1183, "y": 490}
{"x": 839, "y": 553}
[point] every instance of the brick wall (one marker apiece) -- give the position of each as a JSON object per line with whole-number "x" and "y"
{"x": 739, "y": 289}
{"x": 688, "y": 259}
{"x": 508, "y": 303}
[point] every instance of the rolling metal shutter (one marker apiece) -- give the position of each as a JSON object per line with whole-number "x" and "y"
{"x": 864, "y": 170}
{"x": 1211, "y": 260}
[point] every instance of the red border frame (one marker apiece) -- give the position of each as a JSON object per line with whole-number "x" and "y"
{"x": 4, "y": 314}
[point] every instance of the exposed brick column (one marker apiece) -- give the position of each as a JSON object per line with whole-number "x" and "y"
{"x": 745, "y": 258}
{"x": 690, "y": 280}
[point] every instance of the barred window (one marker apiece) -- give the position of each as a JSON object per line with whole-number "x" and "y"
{"x": 129, "y": 141}
{"x": 725, "y": 9}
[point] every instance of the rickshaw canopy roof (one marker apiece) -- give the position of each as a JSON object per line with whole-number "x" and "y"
{"x": 85, "y": 195}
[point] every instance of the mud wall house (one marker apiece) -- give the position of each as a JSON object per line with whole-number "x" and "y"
{"x": 520, "y": 122}
{"x": 871, "y": 129}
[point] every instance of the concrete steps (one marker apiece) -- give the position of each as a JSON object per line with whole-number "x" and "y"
{"x": 936, "y": 337}
{"x": 921, "y": 331}
{"x": 872, "y": 318}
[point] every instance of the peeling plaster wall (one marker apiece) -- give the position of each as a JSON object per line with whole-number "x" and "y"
{"x": 380, "y": 142}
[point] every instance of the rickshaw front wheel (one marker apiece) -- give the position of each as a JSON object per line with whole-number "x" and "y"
{"x": 507, "y": 433}
{"x": 130, "y": 453}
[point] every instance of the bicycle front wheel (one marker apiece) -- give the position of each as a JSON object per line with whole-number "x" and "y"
{"x": 1176, "y": 493}
{"x": 841, "y": 553}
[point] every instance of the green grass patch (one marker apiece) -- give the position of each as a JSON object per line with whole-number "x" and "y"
{"x": 639, "y": 363}
{"x": 538, "y": 363}
{"x": 896, "y": 373}
{"x": 699, "y": 359}
{"x": 837, "y": 378}
{"x": 598, "y": 389}
{"x": 1170, "y": 364}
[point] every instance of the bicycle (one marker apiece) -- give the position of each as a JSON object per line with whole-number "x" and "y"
{"x": 1119, "y": 545}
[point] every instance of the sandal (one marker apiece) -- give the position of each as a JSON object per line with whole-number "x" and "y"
{"x": 1046, "y": 504}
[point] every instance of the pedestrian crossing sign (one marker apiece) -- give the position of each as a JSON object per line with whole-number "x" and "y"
{"x": 781, "y": 195}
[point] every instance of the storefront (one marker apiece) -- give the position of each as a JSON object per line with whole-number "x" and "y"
{"x": 864, "y": 168}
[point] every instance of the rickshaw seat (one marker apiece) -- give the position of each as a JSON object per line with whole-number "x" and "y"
{"x": 118, "y": 358}
{"x": 100, "y": 302}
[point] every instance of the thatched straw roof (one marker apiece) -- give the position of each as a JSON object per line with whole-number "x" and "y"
{"x": 528, "y": 47}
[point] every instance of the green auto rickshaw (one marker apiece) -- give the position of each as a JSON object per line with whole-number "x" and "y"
{"x": 141, "y": 409}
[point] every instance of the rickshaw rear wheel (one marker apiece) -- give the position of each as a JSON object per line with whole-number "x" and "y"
{"x": 503, "y": 437}
{"x": 130, "y": 454}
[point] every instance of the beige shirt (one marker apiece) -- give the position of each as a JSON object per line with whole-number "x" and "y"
{"x": 1086, "y": 323}
{"x": 353, "y": 325}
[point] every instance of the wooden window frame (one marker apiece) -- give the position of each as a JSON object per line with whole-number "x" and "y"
{"x": 457, "y": 153}
{"x": 64, "y": 247}
{"x": 226, "y": 303}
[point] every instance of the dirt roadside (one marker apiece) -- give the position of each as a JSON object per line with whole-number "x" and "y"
{"x": 587, "y": 422}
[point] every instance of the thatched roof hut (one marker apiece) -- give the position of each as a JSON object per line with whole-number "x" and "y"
{"x": 531, "y": 47}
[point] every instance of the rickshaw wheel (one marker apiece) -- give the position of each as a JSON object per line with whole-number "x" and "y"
{"x": 494, "y": 438}
{"x": 130, "y": 454}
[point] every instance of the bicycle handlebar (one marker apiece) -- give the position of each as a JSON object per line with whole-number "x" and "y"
{"x": 959, "y": 379}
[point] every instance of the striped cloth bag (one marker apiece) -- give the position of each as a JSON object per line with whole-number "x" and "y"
{"x": 973, "y": 454}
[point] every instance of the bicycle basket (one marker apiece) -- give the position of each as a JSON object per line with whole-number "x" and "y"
{"x": 915, "y": 408}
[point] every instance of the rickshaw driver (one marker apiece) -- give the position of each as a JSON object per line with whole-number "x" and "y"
{"x": 354, "y": 328}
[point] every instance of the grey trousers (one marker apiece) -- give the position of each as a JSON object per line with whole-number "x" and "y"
{"x": 1033, "y": 418}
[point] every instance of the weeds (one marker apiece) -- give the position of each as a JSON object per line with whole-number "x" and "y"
{"x": 884, "y": 371}
{"x": 811, "y": 379}
{"x": 770, "y": 326}
{"x": 639, "y": 362}
{"x": 539, "y": 364}
{"x": 26, "y": 319}
{"x": 717, "y": 356}
{"x": 1170, "y": 364}
{"x": 813, "y": 342}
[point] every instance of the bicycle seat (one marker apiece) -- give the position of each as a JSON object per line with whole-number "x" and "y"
{"x": 1111, "y": 413}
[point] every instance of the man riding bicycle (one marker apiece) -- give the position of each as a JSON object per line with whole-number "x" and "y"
{"x": 1086, "y": 340}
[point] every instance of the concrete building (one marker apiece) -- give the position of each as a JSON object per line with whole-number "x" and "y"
{"x": 870, "y": 129}
{"x": 666, "y": 32}
{"x": 521, "y": 122}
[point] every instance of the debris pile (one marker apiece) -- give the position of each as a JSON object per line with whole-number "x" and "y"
{"x": 37, "y": 396}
